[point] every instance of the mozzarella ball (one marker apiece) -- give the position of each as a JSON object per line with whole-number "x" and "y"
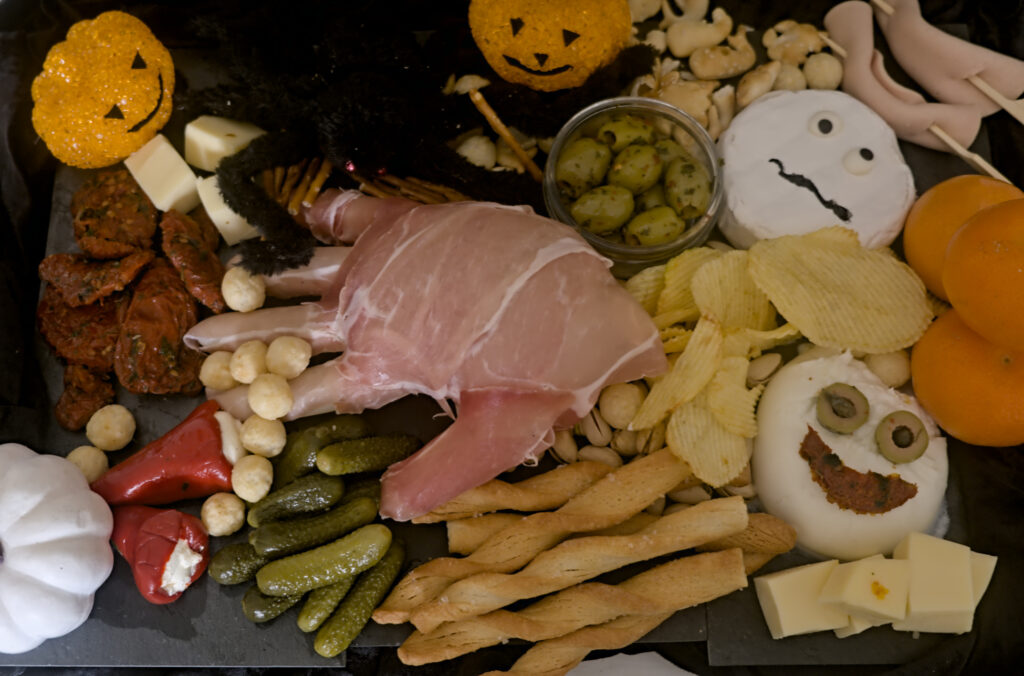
{"x": 215, "y": 372}
{"x": 251, "y": 478}
{"x": 823, "y": 71}
{"x": 91, "y": 460}
{"x": 270, "y": 396}
{"x": 222, "y": 514}
{"x": 288, "y": 356}
{"x": 242, "y": 290}
{"x": 110, "y": 428}
{"x": 248, "y": 361}
{"x": 892, "y": 368}
{"x": 263, "y": 437}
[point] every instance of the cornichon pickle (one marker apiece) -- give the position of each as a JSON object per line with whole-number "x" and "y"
{"x": 235, "y": 564}
{"x": 310, "y": 493}
{"x": 349, "y": 619}
{"x": 321, "y": 603}
{"x": 363, "y": 488}
{"x": 364, "y": 455}
{"x": 299, "y": 454}
{"x": 687, "y": 187}
{"x": 326, "y": 564}
{"x": 281, "y": 538}
{"x": 259, "y": 607}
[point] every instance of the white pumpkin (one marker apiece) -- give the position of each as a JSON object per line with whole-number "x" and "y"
{"x": 54, "y": 547}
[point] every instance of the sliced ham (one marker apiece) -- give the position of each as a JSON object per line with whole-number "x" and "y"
{"x": 510, "y": 316}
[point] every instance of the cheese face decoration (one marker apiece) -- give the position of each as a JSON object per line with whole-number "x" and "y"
{"x": 104, "y": 92}
{"x": 887, "y": 500}
{"x": 795, "y": 162}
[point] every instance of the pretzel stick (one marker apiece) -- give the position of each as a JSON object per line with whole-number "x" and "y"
{"x": 764, "y": 538}
{"x": 291, "y": 176}
{"x": 574, "y": 561}
{"x": 536, "y": 494}
{"x": 660, "y": 590}
{"x": 499, "y": 127}
{"x": 707, "y": 579}
{"x": 619, "y": 495}
{"x": 318, "y": 183}
{"x": 450, "y": 194}
{"x": 299, "y": 191}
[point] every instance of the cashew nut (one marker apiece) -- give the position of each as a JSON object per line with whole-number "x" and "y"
{"x": 790, "y": 78}
{"x": 724, "y": 101}
{"x": 721, "y": 61}
{"x": 791, "y": 42}
{"x": 686, "y": 37}
{"x": 691, "y": 96}
{"x": 757, "y": 82}
{"x": 657, "y": 40}
{"x": 823, "y": 71}
{"x": 693, "y": 10}
{"x": 641, "y": 10}
{"x": 714, "y": 125}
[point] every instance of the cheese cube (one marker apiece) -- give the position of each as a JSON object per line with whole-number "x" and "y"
{"x": 789, "y": 600}
{"x": 857, "y": 625}
{"x": 941, "y": 597}
{"x": 874, "y": 588}
{"x": 982, "y": 567}
{"x": 209, "y": 139}
{"x": 232, "y": 226}
{"x": 163, "y": 175}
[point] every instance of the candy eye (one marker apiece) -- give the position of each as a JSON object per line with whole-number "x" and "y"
{"x": 826, "y": 124}
{"x": 568, "y": 37}
{"x": 859, "y": 161}
{"x": 517, "y": 25}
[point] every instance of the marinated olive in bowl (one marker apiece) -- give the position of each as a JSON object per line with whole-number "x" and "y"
{"x": 637, "y": 177}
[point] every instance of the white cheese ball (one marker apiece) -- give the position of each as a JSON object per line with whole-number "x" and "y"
{"x": 91, "y": 460}
{"x": 288, "y": 356}
{"x": 110, "y": 428}
{"x": 251, "y": 478}
{"x": 248, "y": 361}
{"x": 823, "y": 71}
{"x": 263, "y": 437}
{"x": 270, "y": 396}
{"x": 242, "y": 290}
{"x": 215, "y": 373}
{"x": 223, "y": 514}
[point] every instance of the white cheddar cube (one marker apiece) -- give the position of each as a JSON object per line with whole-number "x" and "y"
{"x": 941, "y": 597}
{"x": 233, "y": 228}
{"x": 789, "y": 600}
{"x": 210, "y": 139}
{"x": 163, "y": 175}
{"x": 858, "y": 624}
{"x": 982, "y": 567}
{"x": 874, "y": 588}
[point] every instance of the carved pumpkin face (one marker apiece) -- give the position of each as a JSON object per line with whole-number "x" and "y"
{"x": 549, "y": 45}
{"x": 104, "y": 92}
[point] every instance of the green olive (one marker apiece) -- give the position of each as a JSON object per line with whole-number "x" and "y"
{"x": 650, "y": 198}
{"x": 636, "y": 168}
{"x": 670, "y": 150}
{"x": 603, "y": 209}
{"x": 655, "y": 226}
{"x": 687, "y": 187}
{"x": 620, "y": 132}
{"x": 901, "y": 437}
{"x": 842, "y": 408}
{"x": 581, "y": 166}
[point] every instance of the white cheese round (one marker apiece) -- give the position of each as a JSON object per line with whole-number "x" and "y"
{"x": 795, "y": 162}
{"x": 784, "y": 479}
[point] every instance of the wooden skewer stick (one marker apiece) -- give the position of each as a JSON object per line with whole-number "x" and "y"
{"x": 971, "y": 158}
{"x": 499, "y": 127}
{"x": 1014, "y": 108}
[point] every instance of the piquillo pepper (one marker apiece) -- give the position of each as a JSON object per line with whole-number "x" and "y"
{"x": 167, "y": 550}
{"x": 187, "y": 462}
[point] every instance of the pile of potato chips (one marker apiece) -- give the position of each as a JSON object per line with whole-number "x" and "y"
{"x": 717, "y": 309}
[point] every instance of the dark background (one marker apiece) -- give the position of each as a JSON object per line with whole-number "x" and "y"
{"x": 991, "y": 479}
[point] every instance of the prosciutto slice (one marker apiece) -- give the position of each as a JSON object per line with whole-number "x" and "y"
{"x": 508, "y": 316}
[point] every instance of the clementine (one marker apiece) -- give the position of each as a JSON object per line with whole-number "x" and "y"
{"x": 984, "y": 273}
{"x": 973, "y": 388}
{"x": 938, "y": 213}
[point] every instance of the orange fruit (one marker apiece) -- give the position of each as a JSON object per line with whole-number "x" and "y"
{"x": 973, "y": 388}
{"x": 984, "y": 273}
{"x": 939, "y": 213}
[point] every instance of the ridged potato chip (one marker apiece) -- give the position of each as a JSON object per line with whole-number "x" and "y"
{"x": 675, "y": 338}
{"x": 759, "y": 341}
{"x": 723, "y": 290}
{"x": 690, "y": 373}
{"x": 730, "y": 402}
{"x": 646, "y": 287}
{"x": 716, "y": 455}
{"x": 839, "y": 294}
{"x": 677, "y": 293}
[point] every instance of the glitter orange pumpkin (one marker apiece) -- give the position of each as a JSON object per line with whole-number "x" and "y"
{"x": 103, "y": 92}
{"x": 549, "y": 45}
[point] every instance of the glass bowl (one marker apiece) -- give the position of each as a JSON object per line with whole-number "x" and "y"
{"x": 669, "y": 122}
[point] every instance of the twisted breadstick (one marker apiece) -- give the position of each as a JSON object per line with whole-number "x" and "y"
{"x": 576, "y": 560}
{"x": 617, "y": 496}
{"x": 660, "y": 590}
{"x": 764, "y": 538}
{"x": 537, "y": 494}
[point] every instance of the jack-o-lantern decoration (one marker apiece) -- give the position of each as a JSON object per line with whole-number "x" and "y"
{"x": 549, "y": 45}
{"x": 103, "y": 92}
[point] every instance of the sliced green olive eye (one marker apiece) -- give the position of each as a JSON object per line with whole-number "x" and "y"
{"x": 842, "y": 408}
{"x": 901, "y": 437}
